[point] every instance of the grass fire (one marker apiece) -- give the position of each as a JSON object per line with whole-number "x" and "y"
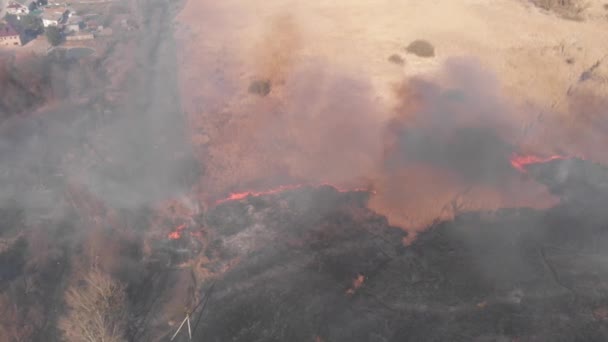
{"x": 260, "y": 171}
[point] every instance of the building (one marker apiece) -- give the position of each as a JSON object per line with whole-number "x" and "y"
{"x": 17, "y": 8}
{"x": 54, "y": 16}
{"x": 8, "y": 36}
{"x": 80, "y": 36}
{"x": 74, "y": 24}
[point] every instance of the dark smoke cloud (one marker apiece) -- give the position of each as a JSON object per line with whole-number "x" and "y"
{"x": 459, "y": 124}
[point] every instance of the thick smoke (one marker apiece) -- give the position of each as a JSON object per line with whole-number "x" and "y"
{"x": 445, "y": 147}
{"x": 129, "y": 151}
{"x": 460, "y": 124}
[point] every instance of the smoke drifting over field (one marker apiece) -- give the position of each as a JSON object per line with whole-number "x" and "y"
{"x": 450, "y": 134}
{"x": 117, "y": 185}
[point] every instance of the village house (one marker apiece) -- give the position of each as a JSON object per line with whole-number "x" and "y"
{"x": 54, "y": 16}
{"x": 17, "y": 8}
{"x": 74, "y": 24}
{"x": 9, "y": 36}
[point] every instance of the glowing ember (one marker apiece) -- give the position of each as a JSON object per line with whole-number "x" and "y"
{"x": 520, "y": 162}
{"x": 236, "y": 196}
{"x": 357, "y": 283}
{"x": 177, "y": 233}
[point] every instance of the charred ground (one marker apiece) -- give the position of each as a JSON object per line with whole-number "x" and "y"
{"x": 514, "y": 274}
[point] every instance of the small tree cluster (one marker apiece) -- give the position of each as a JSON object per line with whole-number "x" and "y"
{"x": 54, "y": 35}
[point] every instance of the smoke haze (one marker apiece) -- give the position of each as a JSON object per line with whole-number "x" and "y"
{"x": 111, "y": 169}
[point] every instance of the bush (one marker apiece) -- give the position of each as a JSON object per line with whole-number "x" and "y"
{"x": 54, "y": 36}
{"x": 396, "y": 59}
{"x": 260, "y": 87}
{"x": 421, "y": 48}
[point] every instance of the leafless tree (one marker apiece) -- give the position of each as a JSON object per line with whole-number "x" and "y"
{"x": 96, "y": 310}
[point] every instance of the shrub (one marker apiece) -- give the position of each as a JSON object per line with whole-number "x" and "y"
{"x": 260, "y": 87}
{"x": 421, "y": 48}
{"x": 396, "y": 59}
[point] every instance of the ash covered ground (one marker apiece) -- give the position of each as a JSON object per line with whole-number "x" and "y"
{"x": 509, "y": 275}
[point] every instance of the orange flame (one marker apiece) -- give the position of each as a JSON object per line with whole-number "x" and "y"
{"x": 520, "y": 162}
{"x": 177, "y": 233}
{"x": 357, "y": 283}
{"x": 237, "y": 196}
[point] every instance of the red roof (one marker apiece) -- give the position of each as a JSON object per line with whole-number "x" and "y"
{"x": 7, "y": 31}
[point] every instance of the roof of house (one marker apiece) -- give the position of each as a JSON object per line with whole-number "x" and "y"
{"x": 51, "y": 15}
{"x": 74, "y": 20}
{"x": 6, "y": 30}
{"x": 23, "y": 2}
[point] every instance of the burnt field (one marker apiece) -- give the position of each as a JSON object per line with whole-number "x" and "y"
{"x": 316, "y": 264}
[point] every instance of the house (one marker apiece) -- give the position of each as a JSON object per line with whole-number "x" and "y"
{"x": 9, "y": 36}
{"x": 17, "y": 8}
{"x": 74, "y": 24}
{"x": 80, "y": 36}
{"x": 54, "y": 16}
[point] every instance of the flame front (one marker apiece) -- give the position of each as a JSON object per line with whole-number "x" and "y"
{"x": 177, "y": 233}
{"x": 357, "y": 283}
{"x": 520, "y": 162}
{"x": 237, "y": 196}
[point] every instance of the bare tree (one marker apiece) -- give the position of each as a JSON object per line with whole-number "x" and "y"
{"x": 96, "y": 310}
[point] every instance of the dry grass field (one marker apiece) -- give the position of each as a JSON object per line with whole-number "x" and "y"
{"x": 331, "y": 63}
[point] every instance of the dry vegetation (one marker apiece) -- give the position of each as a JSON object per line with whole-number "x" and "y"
{"x": 96, "y": 310}
{"x": 32, "y": 81}
{"x": 568, "y": 9}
